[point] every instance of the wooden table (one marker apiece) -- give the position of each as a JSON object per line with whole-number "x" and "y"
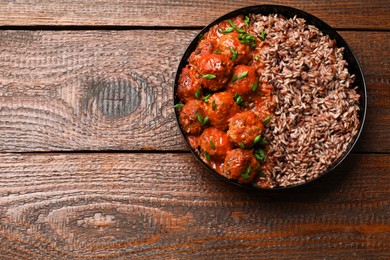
{"x": 92, "y": 164}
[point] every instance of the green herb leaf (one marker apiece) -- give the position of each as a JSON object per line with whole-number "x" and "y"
{"x": 241, "y": 144}
{"x": 262, "y": 35}
{"x": 256, "y": 58}
{"x": 239, "y": 100}
{"x": 207, "y": 155}
{"x": 240, "y": 30}
{"x": 209, "y": 76}
{"x": 254, "y": 87}
{"x": 205, "y": 120}
{"x": 260, "y": 155}
{"x": 213, "y": 105}
{"x": 267, "y": 119}
{"x": 247, "y": 39}
{"x": 206, "y": 98}
{"x": 243, "y": 75}
{"x": 217, "y": 52}
{"x": 200, "y": 118}
{"x": 232, "y": 24}
{"x": 263, "y": 142}
{"x": 197, "y": 94}
{"x": 234, "y": 53}
{"x": 246, "y": 20}
{"x": 245, "y": 175}
{"x": 228, "y": 30}
{"x": 212, "y": 145}
{"x": 200, "y": 36}
{"x": 178, "y": 106}
{"x": 257, "y": 139}
{"x": 235, "y": 77}
{"x": 235, "y": 27}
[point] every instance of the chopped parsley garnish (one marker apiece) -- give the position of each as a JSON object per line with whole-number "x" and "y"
{"x": 239, "y": 100}
{"x": 254, "y": 87}
{"x": 241, "y": 144}
{"x": 206, "y": 98}
{"x": 257, "y": 139}
{"x": 263, "y": 142}
{"x": 235, "y": 27}
{"x": 207, "y": 155}
{"x": 200, "y": 36}
{"x": 234, "y": 53}
{"x": 266, "y": 120}
{"x": 256, "y": 58}
{"x": 202, "y": 120}
{"x": 197, "y": 94}
{"x": 205, "y": 120}
{"x": 246, "y": 21}
{"x": 235, "y": 77}
{"x": 212, "y": 145}
{"x": 243, "y": 75}
{"x": 217, "y": 52}
{"x": 228, "y": 30}
{"x": 262, "y": 35}
{"x": 240, "y": 76}
{"x": 247, "y": 39}
{"x": 245, "y": 175}
{"x": 209, "y": 76}
{"x": 178, "y": 106}
{"x": 213, "y": 105}
{"x": 260, "y": 155}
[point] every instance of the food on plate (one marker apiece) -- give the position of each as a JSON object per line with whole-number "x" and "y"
{"x": 220, "y": 108}
{"x": 267, "y": 100}
{"x": 214, "y": 144}
{"x": 245, "y": 129}
{"x": 240, "y": 165}
{"x": 190, "y": 117}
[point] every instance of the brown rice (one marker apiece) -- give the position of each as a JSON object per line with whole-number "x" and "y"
{"x": 316, "y": 106}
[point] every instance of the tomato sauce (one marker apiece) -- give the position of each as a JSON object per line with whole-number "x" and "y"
{"x": 223, "y": 105}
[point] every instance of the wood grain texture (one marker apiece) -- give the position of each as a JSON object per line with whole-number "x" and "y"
{"x": 101, "y": 90}
{"x": 340, "y": 14}
{"x": 77, "y": 206}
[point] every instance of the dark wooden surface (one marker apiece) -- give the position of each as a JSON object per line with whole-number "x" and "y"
{"x": 92, "y": 164}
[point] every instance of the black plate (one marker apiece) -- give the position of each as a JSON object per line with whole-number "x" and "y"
{"x": 288, "y": 12}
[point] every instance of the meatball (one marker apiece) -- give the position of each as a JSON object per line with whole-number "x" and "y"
{"x": 244, "y": 128}
{"x": 240, "y": 165}
{"x": 204, "y": 47}
{"x": 220, "y": 108}
{"x": 244, "y": 81}
{"x": 214, "y": 143}
{"x": 230, "y": 46}
{"x": 188, "y": 118}
{"x": 214, "y": 70}
{"x": 188, "y": 85}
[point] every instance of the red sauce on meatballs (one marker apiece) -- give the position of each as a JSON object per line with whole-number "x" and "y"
{"x": 224, "y": 106}
{"x": 220, "y": 108}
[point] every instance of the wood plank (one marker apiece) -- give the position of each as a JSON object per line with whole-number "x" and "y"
{"x": 166, "y": 205}
{"x": 367, "y": 14}
{"x": 101, "y": 90}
